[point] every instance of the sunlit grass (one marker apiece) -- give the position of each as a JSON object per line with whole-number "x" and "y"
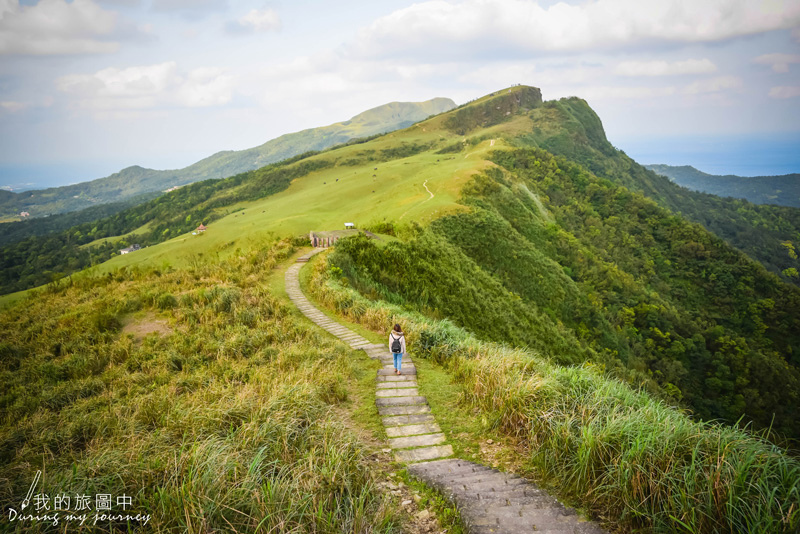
{"x": 226, "y": 422}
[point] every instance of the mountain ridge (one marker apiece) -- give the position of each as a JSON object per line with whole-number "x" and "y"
{"x": 782, "y": 190}
{"x": 135, "y": 179}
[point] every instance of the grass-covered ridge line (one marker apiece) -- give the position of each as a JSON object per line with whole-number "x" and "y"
{"x": 550, "y": 257}
{"x": 570, "y": 128}
{"x": 225, "y": 421}
{"x": 136, "y": 180}
{"x": 620, "y": 452}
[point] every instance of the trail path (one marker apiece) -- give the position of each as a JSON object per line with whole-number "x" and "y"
{"x": 489, "y": 501}
{"x": 425, "y": 185}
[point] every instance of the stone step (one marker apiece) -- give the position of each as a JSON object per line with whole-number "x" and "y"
{"x": 404, "y": 410}
{"x": 387, "y": 362}
{"x": 500, "y": 500}
{"x": 396, "y": 378}
{"x": 424, "y": 453}
{"x": 535, "y": 519}
{"x": 483, "y": 486}
{"x": 411, "y": 383}
{"x": 400, "y": 401}
{"x": 411, "y": 430}
{"x": 447, "y": 467}
{"x": 423, "y": 440}
{"x": 405, "y": 392}
{"x": 397, "y": 420}
{"x": 489, "y": 477}
{"x": 403, "y": 367}
{"x": 390, "y": 371}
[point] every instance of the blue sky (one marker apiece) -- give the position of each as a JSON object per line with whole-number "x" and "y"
{"x": 88, "y": 87}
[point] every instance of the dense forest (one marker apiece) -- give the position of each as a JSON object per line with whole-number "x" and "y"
{"x": 571, "y": 265}
{"x": 781, "y": 190}
{"x": 12, "y": 232}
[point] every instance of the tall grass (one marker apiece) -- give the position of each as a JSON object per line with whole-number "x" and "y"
{"x": 223, "y": 424}
{"x": 620, "y": 452}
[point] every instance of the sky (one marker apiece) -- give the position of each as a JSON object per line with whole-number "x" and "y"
{"x": 88, "y": 87}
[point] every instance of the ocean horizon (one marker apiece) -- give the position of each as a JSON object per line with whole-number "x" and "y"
{"x": 741, "y": 155}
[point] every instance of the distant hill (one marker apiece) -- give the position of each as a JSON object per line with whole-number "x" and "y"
{"x": 136, "y": 180}
{"x": 782, "y": 190}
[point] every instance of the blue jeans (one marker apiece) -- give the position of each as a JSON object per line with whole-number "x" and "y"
{"x": 398, "y": 359}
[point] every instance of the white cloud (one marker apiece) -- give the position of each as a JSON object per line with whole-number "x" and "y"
{"x": 625, "y": 93}
{"x": 12, "y": 106}
{"x": 778, "y": 62}
{"x": 205, "y": 87}
{"x": 665, "y": 68}
{"x": 784, "y": 92}
{"x": 713, "y": 85}
{"x": 260, "y": 20}
{"x": 482, "y": 26}
{"x": 150, "y": 86}
{"x": 55, "y": 27}
{"x": 497, "y": 75}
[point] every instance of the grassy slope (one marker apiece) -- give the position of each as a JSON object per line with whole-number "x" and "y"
{"x": 226, "y": 419}
{"x": 362, "y": 194}
{"x": 136, "y": 180}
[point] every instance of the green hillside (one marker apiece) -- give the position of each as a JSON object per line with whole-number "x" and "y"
{"x": 582, "y": 306}
{"x": 616, "y": 450}
{"x": 321, "y": 189}
{"x": 611, "y": 277}
{"x": 12, "y": 232}
{"x": 781, "y": 190}
{"x": 136, "y": 180}
{"x": 155, "y": 385}
{"x": 766, "y": 233}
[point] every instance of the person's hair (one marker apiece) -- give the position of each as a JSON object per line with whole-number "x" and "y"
{"x": 397, "y": 328}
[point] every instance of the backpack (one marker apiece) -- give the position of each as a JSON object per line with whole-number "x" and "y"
{"x": 396, "y": 347}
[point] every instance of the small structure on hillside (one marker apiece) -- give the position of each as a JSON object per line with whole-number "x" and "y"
{"x": 349, "y": 226}
{"x": 201, "y": 228}
{"x": 330, "y": 237}
{"x": 131, "y": 248}
{"x": 24, "y": 214}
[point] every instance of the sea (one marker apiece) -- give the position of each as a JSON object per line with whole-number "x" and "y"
{"x": 742, "y": 155}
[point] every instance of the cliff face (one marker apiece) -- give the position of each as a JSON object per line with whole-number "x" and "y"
{"x": 494, "y": 109}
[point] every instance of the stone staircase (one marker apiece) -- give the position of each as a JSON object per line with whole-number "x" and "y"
{"x": 488, "y": 500}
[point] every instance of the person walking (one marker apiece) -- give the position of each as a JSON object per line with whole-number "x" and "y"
{"x": 397, "y": 342}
